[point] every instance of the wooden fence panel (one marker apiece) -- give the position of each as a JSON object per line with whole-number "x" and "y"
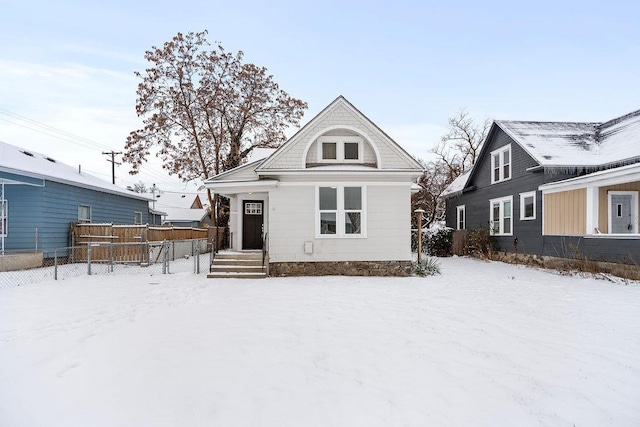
{"x": 84, "y": 234}
{"x": 460, "y": 242}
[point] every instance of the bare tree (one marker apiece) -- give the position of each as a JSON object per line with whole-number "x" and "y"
{"x": 433, "y": 182}
{"x": 140, "y": 187}
{"x": 456, "y": 153}
{"x": 205, "y": 110}
{"x": 458, "y": 149}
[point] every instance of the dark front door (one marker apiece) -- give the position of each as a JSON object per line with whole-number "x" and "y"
{"x": 252, "y": 224}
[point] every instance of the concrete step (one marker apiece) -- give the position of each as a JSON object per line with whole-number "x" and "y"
{"x": 232, "y": 261}
{"x": 235, "y": 275}
{"x": 238, "y": 265}
{"x": 239, "y": 255}
{"x": 225, "y": 268}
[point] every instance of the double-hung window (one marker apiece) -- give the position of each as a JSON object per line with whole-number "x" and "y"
{"x": 84, "y": 213}
{"x": 340, "y": 211}
{"x": 340, "y": 149}
{"x": 4, "y": 217}
{"x": 528, "y": 206}
{"x": 501, "y": 164}
{"x": 137, "y": 217}
{"x": 501, "y": 218}
{"x": 461, "y": 220}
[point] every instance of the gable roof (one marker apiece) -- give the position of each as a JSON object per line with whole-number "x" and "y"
{"x": 18, "y": 161}
{"x": 457, "y": 185}
{"x": 345, "y": 114}
{"x": 561, "y": 144}
{"x": 558, "y": 145}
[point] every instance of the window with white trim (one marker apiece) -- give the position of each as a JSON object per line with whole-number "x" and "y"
{"x": 500, "y": 216}
{"x": 4, "y": 217}
{"x": 252, "y": 208}
{"x": 528, "y": 206}
{"x": 340, "y": 211}
{"x": 137, "y": 217}
{"x": 501, "y": 164}
{"x": 84, "y": 213}
{"x": 340, "y": 149}
{"x": 461, "y": 217}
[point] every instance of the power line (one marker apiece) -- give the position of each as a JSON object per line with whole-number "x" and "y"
{"x": 45, "y": 129}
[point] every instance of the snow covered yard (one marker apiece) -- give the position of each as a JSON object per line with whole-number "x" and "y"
{"x": 482, "y": 344}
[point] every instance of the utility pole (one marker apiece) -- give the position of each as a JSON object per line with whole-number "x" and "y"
{"x": 113, "y": 163}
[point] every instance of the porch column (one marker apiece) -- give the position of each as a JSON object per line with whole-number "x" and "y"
{"x": 592, "y": 211}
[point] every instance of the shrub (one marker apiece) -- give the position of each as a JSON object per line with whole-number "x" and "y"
{"x": 481, "y": 243}
{"x": 439, "y": 242}
{"x": 427, "y": 267}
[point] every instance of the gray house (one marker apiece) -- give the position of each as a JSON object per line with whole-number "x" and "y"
{"x": 40, "y": 197}
{"x": 555, "y": 188}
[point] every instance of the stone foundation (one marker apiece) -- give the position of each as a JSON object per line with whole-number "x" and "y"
{"x": 341, "y": 268}
{"x": 629, "y": 271}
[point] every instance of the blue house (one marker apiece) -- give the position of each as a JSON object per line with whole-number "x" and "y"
{"x": 40, "y": 197}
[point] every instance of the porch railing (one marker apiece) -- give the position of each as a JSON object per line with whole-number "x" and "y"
{"x": 265, "y": 242}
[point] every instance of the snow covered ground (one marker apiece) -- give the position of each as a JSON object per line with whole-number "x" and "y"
{"x": 483, "y": 344}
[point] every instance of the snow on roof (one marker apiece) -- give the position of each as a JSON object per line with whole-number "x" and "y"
{"x": 457, "y": 185}
{"x": 19, "y": 161}
{"x": 578, "y": 144}
{"x": 178, "y": 206}
{"x": 260, "y": 153}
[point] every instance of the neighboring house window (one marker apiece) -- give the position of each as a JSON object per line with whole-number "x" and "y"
{"x": 340, "y": 211}
{"x": 137, "y": 217}
{"x": 501, "y": 164}
{"x": 336, "y": 149}
{"x": 461, "y": 217}
{"x": 4, "y": 218}
{"x": 501, "y": 217}
{"x": 84, "y": 213}
{"x": 528, "y": 206}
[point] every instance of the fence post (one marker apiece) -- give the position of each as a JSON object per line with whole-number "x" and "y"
{"x": 165, "y": 257}
{"x": 196, "y": 260}
{"x": 111, "y": 256}
{"x": 55, "y": 264}
{"x": 89, "y": 258}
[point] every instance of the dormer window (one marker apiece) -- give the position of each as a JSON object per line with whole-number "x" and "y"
{"x": 340, "y": 149}
{"x": 329, "y": 151}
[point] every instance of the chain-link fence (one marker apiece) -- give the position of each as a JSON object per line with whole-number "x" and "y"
{"x": 22, "y": 268}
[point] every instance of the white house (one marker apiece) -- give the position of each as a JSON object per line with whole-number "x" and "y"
{"x": 334, "y": 199}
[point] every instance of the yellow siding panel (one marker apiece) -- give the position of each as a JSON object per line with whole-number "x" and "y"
{"x": 565, "y": 213}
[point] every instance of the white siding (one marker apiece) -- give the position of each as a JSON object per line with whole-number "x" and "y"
{"x": 339, "y": 114}
{"x": 292, "y": 223}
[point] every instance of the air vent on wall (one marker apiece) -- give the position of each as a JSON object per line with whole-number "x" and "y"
{"x": 50, "y": 159}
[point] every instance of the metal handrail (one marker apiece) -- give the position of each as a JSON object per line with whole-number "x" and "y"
{"x": 264, "y": 248}
{"x": 212, "y": 254}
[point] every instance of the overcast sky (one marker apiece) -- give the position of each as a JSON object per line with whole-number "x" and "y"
{"x": 407, "y": 65}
